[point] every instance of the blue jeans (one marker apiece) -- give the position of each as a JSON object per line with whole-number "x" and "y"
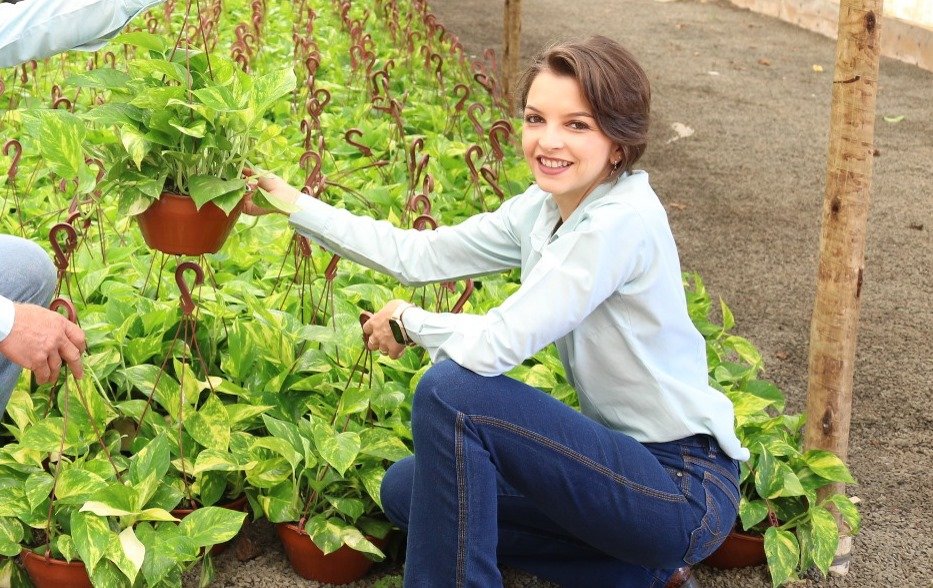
{"x": 504, "y": 474}
{"x": 26, "y": 276}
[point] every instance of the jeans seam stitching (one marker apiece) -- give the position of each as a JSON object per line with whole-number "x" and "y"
{"x": 707, "y": 464}
{"x": 579, "y": 458}
{"x": 727, "y": 491}
{"x": 721, "y": 471}
{"x": 461, "y": 500}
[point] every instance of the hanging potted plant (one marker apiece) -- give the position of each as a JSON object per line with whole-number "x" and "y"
{"x": 781, "y": 519}
{"x": 186, "y": 123}
{"x": 318, "y": 476}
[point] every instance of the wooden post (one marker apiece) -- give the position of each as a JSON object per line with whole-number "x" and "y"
{"x": 834, "y": 324}
{"x": 512, "y": 37}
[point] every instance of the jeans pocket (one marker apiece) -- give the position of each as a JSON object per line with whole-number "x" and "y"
{"x": 716, "y": 522}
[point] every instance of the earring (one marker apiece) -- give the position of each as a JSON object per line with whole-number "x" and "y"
{"x": 615, "y": 164}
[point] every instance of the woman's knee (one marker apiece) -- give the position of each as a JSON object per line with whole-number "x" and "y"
{"x": 438, "y": 390}
{"x": 395, "y": 491}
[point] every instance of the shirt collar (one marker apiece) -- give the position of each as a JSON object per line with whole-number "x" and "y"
{"x": 543, "y": 227}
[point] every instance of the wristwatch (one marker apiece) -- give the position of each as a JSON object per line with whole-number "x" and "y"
{"x": 398, "y": 329}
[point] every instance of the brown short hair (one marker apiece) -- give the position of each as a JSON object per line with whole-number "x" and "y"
{"x": 613, "y": 84}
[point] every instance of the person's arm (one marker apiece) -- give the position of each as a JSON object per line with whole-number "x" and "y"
{"x": 35, "y": 29}
{"x": 576, "y": 273}
{"x": 482, "y": 244}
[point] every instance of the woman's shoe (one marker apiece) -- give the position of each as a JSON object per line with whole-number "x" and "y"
{"x": 682, "y": 578}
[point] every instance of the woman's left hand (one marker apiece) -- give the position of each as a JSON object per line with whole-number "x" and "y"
{"x": 378, "y": 333}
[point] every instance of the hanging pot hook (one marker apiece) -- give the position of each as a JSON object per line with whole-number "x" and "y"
{"x": 187, "y": 304}
{"x": 63, "y": 303}
{"x": 64, "y": 239}
{"x": 17, "y": 147}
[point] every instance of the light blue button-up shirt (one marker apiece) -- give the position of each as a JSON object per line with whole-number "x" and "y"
{"x": 35, "y": 29}
{"x": 606, "y": 288}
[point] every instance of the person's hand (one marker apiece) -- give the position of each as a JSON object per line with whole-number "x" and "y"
{"x": 41, "y": 340}
{"x": 378, "y": 333}
{"x": 273, "y": 185}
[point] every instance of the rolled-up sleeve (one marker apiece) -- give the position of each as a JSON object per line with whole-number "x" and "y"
{"x": 7, "y": 314}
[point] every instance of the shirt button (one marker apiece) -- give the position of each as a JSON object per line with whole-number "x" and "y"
{"x": 680, "y": 474}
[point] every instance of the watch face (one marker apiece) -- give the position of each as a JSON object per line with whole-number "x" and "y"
{"x": 397, "y": 331}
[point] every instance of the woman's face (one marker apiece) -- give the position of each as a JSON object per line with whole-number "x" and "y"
{"x": 566, "y": 150}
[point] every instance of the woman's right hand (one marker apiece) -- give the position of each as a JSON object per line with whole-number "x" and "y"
{"x": 272, "y": 185}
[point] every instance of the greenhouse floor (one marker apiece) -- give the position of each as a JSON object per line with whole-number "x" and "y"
{"x": 744, "y": 195}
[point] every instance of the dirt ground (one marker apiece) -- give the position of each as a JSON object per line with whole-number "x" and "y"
{"x": 744, "y": 195}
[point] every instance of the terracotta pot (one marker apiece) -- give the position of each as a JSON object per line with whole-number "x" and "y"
{"x": 238, "y": 504}
{"x": 174, "y": 225}
{"x": 340, "y": 567}
{"x": 740, "y": 550}
{"x": 54, "y": 573}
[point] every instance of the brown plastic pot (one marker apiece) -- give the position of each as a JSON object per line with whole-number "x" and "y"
{"x": 740, "y": 550}
{"x": 238, "y": 504}
{"x": 174, "y": 225}
{"x": 54, "y": 573}
{"x": 340, "y": 567}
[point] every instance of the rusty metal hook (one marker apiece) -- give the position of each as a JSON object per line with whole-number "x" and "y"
{"x": 428, "y": 186}
{"x": 471, "y": 114}
{"x": 495, "y": 143}
{"x": 349, "y": 137}
{"x": 64, "y": 239}
{"x": 331, "y": 271}
{"x": 466, "y": 94}
{"x": 467, "y": 292}
{"x": 17, "y": 147}
{"x": 187, "y": 304}
{"x": 492, "y": 178}
{"x": 423, "y": 221}
{"x": 474, "y": 150}
{"x": 420, "y": 201}
{"x": 69, "y": 307}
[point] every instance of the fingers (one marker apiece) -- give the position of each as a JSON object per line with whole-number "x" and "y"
{"x": 42, "y": 372}
{"x": 55, "y": 366}
{"x": 72, "y": 356}
{"x": 75, "y": 337}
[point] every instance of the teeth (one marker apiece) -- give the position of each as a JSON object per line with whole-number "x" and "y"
{"x": 553, "y": 163}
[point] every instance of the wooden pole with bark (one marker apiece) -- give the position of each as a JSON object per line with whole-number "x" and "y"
{"x": 512, "y": 36}
{"x": 835, "y": 318}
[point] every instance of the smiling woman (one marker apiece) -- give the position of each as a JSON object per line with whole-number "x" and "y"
{"x": 643, "y": 480}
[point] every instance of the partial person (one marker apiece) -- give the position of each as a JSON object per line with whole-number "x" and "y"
{"x": 639, "y": 484}
{"x": 31, "y": 336}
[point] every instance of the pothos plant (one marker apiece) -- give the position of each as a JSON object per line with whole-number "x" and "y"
{"x": 67, "y": 492}
{"x": 187, "y": 122}
{"x": 330, "y": 438}
{"x": 781, "y": 482}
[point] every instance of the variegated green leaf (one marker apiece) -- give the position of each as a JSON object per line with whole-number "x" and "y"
{"x": 11, "y": 536}
{"x": 782, "y": 551}
{"x": 211, "y": 525}
{"x": 824, "y": 536}
{"x": 209, "y": 425}
{"x": 339, "y": 450}
{"x": 828, "y": 465}
{"x": 91, "y": 535}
